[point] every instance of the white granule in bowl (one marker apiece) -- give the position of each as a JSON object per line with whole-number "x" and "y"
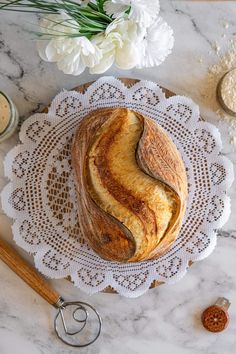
{"x": 228, "y": 90}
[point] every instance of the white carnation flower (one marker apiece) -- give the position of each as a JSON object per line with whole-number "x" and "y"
{"x": 124, "y": 42}
{"x": 118, "y": 45}
{"x": 72, "y": 54}
{"x": 107, "y": 45}
{"x": 156, "y": 45}
{"x": 141, "y": 11}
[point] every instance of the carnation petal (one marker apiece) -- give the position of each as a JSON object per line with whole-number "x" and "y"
{"x": 115, "y": 9}
{"x": 51, "y": 51}
{"x": 127, "y": 56}
{"x": 104, "y": 64}
{"x": 71, "y": 67}
{"x": 143, "y": 12}
{"x": 41, "y": 47}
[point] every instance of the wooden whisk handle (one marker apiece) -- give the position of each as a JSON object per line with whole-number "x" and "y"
{"x": 27, "y": 273}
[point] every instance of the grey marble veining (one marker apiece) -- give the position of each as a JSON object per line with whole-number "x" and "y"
{"x": 164, "y": 320}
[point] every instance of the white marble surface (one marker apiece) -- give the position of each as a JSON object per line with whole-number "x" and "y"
{"x": 167, "y": 319}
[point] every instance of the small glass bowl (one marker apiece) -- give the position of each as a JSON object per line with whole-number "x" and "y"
{"x": 220, "y": 92}
{"x": 13, "y": 120}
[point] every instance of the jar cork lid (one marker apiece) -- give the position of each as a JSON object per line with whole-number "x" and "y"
{"x": 216, "y": 318}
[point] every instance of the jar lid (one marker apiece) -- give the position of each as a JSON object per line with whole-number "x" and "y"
{"x": 216, "y": 318}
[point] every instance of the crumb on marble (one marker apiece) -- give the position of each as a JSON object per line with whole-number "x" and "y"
{"x": 216, "y": 47}
{"x": 226, "y": 24}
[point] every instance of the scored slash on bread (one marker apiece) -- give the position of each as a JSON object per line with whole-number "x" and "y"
{"x": 131, "y": 184}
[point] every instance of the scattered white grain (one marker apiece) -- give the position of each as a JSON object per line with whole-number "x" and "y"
{"x": 226, "y": 24}
{"x": 209, "y": 86}
{"x": 216, "y": 47}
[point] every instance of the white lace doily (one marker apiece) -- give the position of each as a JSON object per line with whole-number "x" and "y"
{"x": 41, "y": 196}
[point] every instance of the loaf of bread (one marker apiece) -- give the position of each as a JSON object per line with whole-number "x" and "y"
{"x": 131, "y": 184}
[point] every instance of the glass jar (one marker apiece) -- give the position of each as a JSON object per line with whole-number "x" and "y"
{"x": 9, "y": 117}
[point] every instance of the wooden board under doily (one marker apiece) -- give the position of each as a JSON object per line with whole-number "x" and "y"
{"x": 128, "y": 82}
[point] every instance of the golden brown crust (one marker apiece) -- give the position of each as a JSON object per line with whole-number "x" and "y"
{"x": 124, "y": 221}
{"x": 159, "y": 157}
{"x": 99, "y": 228}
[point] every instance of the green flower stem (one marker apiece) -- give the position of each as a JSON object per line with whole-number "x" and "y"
{"x": 91, "y": 19}
{"x": 101, "y": 5}
{"x": 30, "y": 11}
{"x": 86, "y": 21}
{"x": 98, "y": 14}
{"x": 92, "y": 6}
